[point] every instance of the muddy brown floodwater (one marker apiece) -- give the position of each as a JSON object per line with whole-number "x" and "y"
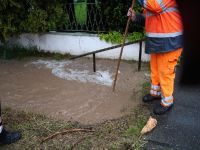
{"x": 70, "y": 90}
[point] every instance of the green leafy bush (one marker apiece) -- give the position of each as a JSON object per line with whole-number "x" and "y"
{"x": 112, "y": 37}
{"x": 57, "y": 17}
{"x": 117, "y": 38}
{"x": 134, "y": 36}
{"x": 31, "y": 16}
{"x": 35, "y": 21}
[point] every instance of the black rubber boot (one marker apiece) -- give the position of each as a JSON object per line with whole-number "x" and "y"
{"x": 8, "y": 138}
{"x": 159, "y": 109}
{"x": 150, "y": 98}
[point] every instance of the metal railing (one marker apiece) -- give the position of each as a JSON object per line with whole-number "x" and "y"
{"x": 93, "y": 53}
{"x": 87, "y": 17}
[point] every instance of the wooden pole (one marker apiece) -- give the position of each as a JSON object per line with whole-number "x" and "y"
{"x": 119, "y": 60}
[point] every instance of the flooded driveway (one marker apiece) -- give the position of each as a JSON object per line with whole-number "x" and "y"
{"x": 70, "y": 90}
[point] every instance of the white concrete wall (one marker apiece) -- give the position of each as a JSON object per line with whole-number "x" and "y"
{"x": 78, "y": 43}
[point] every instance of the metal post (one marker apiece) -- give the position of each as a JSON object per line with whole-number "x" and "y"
{"x": 94, "y": 62}
{"x": 140, "y": 56}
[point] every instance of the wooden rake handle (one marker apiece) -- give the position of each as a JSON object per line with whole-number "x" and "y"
{"x": 124, "y": 39}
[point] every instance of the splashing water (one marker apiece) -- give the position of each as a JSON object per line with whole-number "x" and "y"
{"x": 63, "y": 69}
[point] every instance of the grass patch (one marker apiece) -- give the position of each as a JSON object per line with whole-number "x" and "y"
{"x": 120, "y": 133}
{"x": 146, "y": 88}
{"x": 133, "y": 133}
{"x": 20, "y": 52}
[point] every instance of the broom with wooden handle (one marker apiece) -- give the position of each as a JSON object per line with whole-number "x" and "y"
{"x": 124, "y": 39}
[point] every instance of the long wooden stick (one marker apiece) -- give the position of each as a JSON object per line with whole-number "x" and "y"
{"x": 119, "y": 60}
{"x": 65, "y": 132}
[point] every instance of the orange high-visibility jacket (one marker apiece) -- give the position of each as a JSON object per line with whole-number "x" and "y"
{"x": 163, "y": 25}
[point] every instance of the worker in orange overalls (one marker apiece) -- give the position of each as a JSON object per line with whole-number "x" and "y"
{"x": 163, "y": 27}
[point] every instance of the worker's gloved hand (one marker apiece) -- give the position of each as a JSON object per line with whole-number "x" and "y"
{"x": 131, "y": 13}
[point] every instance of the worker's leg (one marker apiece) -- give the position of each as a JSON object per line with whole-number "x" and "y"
{"x": 155, "y": 84}
{"x": 155, "y": 92}
{"x": 166, "y": 68}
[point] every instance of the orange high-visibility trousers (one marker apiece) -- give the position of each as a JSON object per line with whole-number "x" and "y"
{"x": 163, "y": 75}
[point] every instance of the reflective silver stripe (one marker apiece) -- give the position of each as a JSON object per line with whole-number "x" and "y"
{"x": 171, "y": 9}
{"x": 155, "y": 93}
{"x": 166, "y": 99}
{"x": 166, "y": 103}
{"x": 155, "y": 87}
{"x": 149, "y": 34}
{"x": 160, "y": 2}
{"x": 145, "y": 3}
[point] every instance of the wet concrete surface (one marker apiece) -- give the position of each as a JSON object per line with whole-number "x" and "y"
{"x": 178, "y": 129}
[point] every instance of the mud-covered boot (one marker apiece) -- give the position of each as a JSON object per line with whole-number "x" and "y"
{"x": 9, "y": 137}
{"x": 150, "y": 98}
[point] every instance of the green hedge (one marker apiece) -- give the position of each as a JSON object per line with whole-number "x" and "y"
{"x": 117, "y": 38}
{"x": 33, "y": 16}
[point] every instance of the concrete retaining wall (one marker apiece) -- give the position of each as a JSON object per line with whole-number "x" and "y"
{"x": 76, "y": 44}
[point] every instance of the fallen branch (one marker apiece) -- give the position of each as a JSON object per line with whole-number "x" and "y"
{"x": 65, "y": 132}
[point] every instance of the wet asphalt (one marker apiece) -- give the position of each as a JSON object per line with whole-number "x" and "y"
{"x": 178, "y": 129}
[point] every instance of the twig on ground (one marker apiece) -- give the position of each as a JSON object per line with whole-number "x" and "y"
{"x": 65, "y": 132}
